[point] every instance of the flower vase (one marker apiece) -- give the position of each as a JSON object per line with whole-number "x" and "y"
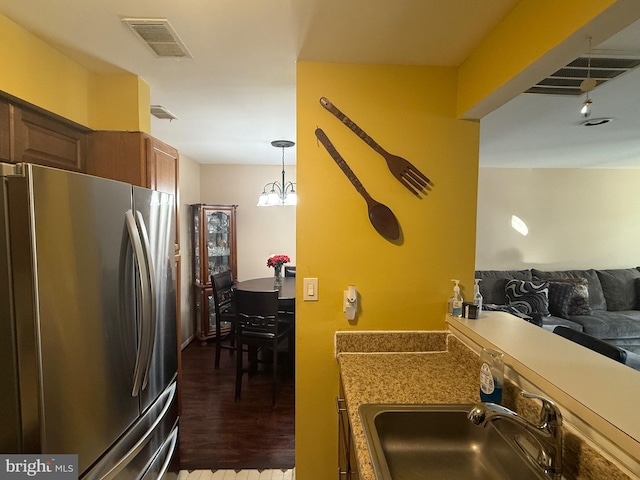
{"x": 277, "y": 277}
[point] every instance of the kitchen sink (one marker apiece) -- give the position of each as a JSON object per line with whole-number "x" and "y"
{"x": 409, "y": 442}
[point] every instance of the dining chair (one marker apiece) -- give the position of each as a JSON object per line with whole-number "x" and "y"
{"x": 290, "y": 271}
{"x": 258, "y": 327}
{"x": 224, "y": 310}
{"x": 592, "y": 343}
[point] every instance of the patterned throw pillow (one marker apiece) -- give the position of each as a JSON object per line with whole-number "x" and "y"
{"x": 579, "y": 303}
{"x": 532, "y": 296}
{"x": 580, "y": 300}
{"x": 560, "y": 295}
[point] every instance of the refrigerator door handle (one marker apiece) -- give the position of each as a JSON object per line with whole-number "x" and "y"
{"x": 145, "y": 301}
{"x": 153, "y": 295}
{"x": 172, "y": 440}
{"x": 166, "y": 400}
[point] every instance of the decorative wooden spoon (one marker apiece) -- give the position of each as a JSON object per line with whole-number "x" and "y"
{"x": 380, "y": 216}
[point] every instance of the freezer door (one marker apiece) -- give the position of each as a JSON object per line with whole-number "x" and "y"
{"x": 75, "y": 389}
{"x": 147, "y": 449}
{"x": 156, "y": 212}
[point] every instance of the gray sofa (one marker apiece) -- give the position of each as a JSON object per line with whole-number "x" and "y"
{"x": 602, "y": 303}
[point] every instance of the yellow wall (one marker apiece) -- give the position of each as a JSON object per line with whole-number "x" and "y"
{"x": 120, "y": 102}
{"x": 37, "y": 73}
{"x": 410, "y": 111}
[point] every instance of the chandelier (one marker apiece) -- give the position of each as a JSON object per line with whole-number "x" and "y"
{"x": 276, "y": 193}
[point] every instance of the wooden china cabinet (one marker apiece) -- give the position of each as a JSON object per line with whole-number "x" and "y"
{"x": 213, "y": 239}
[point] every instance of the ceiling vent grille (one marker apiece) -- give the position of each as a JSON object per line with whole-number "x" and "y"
{"x": 566, "y": 81}
{"x": 161, "y": 112}
{"x": 159, "y": 36}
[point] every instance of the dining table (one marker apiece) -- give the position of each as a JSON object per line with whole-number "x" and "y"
{"x": 287, "y": 289}
{"x": 286, "y": 292}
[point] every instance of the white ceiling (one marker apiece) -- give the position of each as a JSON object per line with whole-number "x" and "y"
{"x": 237, "y": 93}
{"x": 545, "y": 131}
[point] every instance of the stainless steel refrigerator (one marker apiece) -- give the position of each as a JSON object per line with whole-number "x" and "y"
{"x": 88, "y": 349}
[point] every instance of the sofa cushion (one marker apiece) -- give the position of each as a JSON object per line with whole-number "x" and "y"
{"x": 532, "y": 295}
{"x": 596, "y": 297}
{"x": 610, "y": 325}
{"x": 629, "y": 344}
{"x": 619, "y": 288}
{"x": 493, "y": 283}
{"x": 560, "y": 295}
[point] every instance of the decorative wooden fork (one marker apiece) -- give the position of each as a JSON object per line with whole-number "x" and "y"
{"x": 406, "y": 173}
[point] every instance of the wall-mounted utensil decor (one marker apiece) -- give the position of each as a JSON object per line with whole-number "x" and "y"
{"x": 380, "y": 216}
{"x": 406, "y": 173}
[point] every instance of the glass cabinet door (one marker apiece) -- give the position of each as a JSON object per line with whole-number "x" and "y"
{"x": 214, "y": 241}
{"x": 218, "y": 241}
{"x": 214, "y": 251}
{"x": 196, "y": 244}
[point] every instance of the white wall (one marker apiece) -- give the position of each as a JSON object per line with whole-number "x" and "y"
{"x": 588, "y": 218}
{"x": 261, "y": 231}
{"x": 189, "y": 181}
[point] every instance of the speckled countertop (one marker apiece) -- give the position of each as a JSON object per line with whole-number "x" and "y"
{"x": 445, "y": 371}
{"x": 434, "y": 367}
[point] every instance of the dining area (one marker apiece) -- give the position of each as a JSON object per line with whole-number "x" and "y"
{"x": 219, "y": 433}
{"x": 238, "y": 378}
{"x": 238, "y": 389}
{"x": 255, "y": 320}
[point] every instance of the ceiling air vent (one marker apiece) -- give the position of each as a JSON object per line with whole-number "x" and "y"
{"x": 566, "y": 81}
{"x": 161, "y": 112}
{"x": 159, "y": 36}
{"x": 596, "y": 122}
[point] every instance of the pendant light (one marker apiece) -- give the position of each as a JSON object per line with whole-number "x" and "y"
{"x": 587, "y": 85}
{"x": 276, "y": 193}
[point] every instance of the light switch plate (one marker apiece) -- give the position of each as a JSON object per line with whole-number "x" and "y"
{"x": 310, "y": 289}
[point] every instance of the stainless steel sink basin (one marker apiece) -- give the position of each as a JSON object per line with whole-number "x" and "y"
{"x": 438, "y": 441}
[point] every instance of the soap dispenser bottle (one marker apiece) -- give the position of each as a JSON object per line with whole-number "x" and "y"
{"x": 477, "y": 297}
{"x": 455, "y": 302}
{"x": 491, "y": 375}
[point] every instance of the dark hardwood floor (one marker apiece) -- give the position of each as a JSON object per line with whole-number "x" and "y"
{"x": 218, "y": 433}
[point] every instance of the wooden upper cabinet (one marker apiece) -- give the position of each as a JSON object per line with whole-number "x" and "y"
{"x": 136, "y": 158}
{"x": 29, "y": 134}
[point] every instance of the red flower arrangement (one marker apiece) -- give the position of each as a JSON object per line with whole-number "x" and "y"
{"x": 277, "y": 261}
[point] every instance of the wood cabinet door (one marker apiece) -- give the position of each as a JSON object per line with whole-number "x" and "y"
{"x": 48, "y": 141}
{"x": 37, "y": 136}
{"x": 162, "y": 168}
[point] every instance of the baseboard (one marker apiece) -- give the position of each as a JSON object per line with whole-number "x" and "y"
{"x": 186, "y": 343}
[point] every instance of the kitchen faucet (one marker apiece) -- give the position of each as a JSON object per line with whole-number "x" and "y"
{"x": 546, "y": 435}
